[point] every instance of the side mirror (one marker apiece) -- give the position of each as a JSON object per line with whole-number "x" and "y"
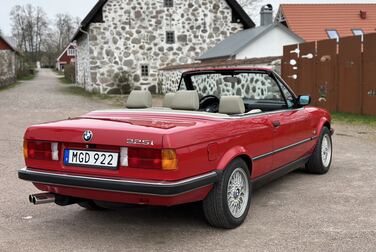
{"x": 304, "y": 100}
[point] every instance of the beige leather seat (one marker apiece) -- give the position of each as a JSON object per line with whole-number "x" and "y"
{"x": 139, "y": 100}
{"x": 186, "y": 100}
{"x": 231, "y": 105}
{"x": 167, "y": 100}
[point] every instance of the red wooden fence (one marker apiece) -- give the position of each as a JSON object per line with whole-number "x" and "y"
{"x": 340, "y": 77}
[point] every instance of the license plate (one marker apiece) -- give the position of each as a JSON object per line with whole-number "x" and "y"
{"x": 95, "y": 159}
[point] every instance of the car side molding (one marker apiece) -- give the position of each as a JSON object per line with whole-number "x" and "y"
{"x": 279, "y": 172}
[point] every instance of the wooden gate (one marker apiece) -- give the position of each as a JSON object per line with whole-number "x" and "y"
{"x": 369, "y": 75}
{"x": 338, "y": 76}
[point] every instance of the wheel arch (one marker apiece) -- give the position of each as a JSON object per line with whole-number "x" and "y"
{"x": 324, "y": 122}
{"x": 234, "y": 153}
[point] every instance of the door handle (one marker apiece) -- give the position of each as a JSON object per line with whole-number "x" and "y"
{"x": 276, "y": 124}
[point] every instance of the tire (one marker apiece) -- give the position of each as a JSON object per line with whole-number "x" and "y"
{"x": 319, "y": 162}
{"x": 90, "y": 205}
{"x": 216, "y": 205}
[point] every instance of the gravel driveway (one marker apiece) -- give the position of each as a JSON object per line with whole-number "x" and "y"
{"x": 335, "y": 212}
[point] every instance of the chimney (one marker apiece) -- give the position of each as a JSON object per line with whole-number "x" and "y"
{"x": 363, "y": 14}
{"x": 266, "y": 14}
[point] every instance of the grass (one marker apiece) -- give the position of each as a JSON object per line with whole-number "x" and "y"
{"x": 19, "y": 80}
{"x": 9, "y": 86}
{"x": 354, "y": 119}
{"x": 57, "y": 72}
{"x": 65, "y": 81}
{"x": 109, "y": 99}
{"x": 27, "y": 77}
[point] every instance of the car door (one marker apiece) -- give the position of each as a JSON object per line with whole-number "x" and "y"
{"x": 292, "y": 134}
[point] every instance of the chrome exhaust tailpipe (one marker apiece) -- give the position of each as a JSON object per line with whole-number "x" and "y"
{"x": 42, "y": 198}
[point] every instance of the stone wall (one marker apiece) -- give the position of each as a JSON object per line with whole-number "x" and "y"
{"x": 134, "y": 32}
{"x": 83, "y": 63}
{"x": 170, "y": 77}
{"x": 7, "y": 67}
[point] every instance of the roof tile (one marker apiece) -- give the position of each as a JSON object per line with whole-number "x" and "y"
{"x": 310, "y": 21}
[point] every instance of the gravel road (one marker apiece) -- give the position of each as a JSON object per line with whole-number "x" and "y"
{"x": 299, "y": 212}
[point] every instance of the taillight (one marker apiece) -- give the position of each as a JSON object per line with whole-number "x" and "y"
{"x": 150, "y": 158}
{"x": 169, "y": 160}
{"x": 41, "y": 150}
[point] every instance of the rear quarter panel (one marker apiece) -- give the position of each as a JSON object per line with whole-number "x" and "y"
{"x": 250, "y": 136}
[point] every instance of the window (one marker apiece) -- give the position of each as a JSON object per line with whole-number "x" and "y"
{"x": 168, "y": 3}
{"x": 333, "y": 34}
{"x": 258, "y": 90}
{"x": 144, "y": 70}
{"x": 249, "y": 85}
{"x": 71, "y": 52}
{"x": 289, "y": 97}
{"x": 170, "y": 37}
{"x": 358, "y": 32}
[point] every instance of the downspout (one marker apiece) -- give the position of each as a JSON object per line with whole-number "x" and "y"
{"x": 88, "y": 45}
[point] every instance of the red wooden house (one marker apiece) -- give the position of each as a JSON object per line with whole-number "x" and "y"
{"x": 8, "y": 62}
{"x": 68, "y": 56}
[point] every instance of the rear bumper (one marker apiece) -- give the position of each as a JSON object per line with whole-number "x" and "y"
{"x": 157, "y": 188}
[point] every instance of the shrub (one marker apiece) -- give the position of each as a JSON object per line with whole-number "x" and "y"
{"x": 26, "y": 71}
{"x": 70, "y": 73}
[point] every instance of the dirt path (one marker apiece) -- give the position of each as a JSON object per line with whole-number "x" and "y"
{"x": 298, "y": 212}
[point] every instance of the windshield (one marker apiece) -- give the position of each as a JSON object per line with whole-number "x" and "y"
{"x": 249, "y": 85}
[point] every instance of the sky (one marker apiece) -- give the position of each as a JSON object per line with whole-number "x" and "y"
{"x": 77, "y": 8}
{"x": 80, "y": 8}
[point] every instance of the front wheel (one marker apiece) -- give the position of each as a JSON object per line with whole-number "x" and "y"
{"x": 227, "y": 205}
{"x": 321, "y": 159}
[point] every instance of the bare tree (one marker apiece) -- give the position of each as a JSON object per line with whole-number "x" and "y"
{"x": 66, "y": 25}
{"x": 248, "y": 3}
{"x": 29, "y": 25}
{"x": 37, "y": 37}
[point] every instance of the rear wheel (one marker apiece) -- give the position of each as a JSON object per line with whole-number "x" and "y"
{"x": 227, "y": 205}
{"x": 321, "y": 159}
{"x": 91, "y": 205}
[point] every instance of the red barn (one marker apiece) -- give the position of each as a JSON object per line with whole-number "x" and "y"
{"x": 68, "y": 56}
{"x": 5, "y": 45}
{"x": 8, "y": 62}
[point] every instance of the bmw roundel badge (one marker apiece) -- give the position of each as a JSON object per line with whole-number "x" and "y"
{"x": 88, "y": 135}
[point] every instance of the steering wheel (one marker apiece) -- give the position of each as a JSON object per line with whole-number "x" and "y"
{"x": 209, "y": 103}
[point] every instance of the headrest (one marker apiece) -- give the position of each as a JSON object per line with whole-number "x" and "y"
{"x": 139, "y": 99}
{"x": 186, "y": 100}
{"x": 167, "y": 100}
{"x": 231, "y": 105}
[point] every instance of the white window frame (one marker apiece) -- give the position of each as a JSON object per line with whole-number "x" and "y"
{"x": 71, "y": 52}
{"x": 329, "y": 31}
{"x": 356, "y": 30}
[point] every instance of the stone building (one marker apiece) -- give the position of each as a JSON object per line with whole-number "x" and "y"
{"x": 124, "y": 42}
{"x": 8, "y": 63}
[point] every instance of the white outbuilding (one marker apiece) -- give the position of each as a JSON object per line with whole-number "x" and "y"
{"x": 266, "y": 40}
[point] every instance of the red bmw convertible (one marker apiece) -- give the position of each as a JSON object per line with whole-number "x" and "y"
{"x": 224, "y": 133}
